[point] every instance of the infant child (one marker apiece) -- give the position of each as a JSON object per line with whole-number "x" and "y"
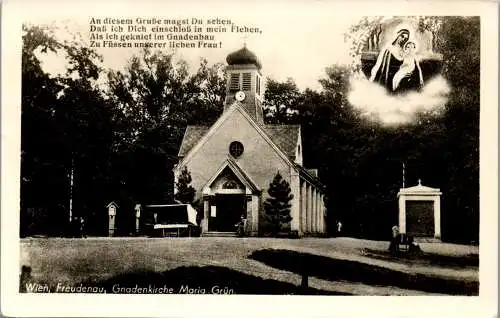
{"x": 410, "y": 61}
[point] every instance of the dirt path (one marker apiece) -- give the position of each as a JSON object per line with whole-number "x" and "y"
{"x": 74, "y": 260}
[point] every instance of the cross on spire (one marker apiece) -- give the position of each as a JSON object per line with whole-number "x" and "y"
{"x": 245, "y": 40}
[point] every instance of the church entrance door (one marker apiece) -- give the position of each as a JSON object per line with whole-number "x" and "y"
{"x": 230, "y": 208}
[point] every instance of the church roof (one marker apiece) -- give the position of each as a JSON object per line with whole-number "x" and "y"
{"x": 238, "y": 172}
{"x": 191, "y": 137}
{"x": 311, "y": 177}
{"x": 420, "y": 190}
{"x": 243, "y": 56}
{"x": 283, "y": 136}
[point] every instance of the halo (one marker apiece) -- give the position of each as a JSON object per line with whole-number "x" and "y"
{"x": 411, "y": 40}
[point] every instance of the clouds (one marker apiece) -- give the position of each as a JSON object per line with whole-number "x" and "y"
{"x": 376, "y": 104}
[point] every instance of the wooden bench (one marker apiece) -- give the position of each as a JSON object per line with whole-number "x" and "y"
{"x": 405, "y": 242}
{"x": 178, "y": 229}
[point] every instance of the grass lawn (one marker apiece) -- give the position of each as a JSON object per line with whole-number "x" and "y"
{"x": 333, "y": 266}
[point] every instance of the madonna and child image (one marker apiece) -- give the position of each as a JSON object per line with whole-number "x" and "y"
{"x": 401, "y": 75}
{"x": 405, "y": 61}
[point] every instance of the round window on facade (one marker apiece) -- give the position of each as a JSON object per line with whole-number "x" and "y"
{"x": 236, "y": 149}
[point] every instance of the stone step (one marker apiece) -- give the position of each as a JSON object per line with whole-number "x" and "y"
{"x": 426, "y": 240}
{"x": 219, "y": 234}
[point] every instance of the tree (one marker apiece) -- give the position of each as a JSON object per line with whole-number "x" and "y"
{"x": 461, "y": 66}
{"x": 185, "y": 192}
{"x": 332, "y": 132}
{"x": 65, "y": 127}
{"x": 211, "y": 81}
{"x": 281, "y": 100}
{"x": 40, "y": 170}
{"x": 442, "y": 151}
{"x": 158, "y": 97}
{"x": 277, "y": 205}
{"x": 330, "y": 129}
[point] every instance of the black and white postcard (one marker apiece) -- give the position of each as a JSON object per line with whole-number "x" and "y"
{"x": 217, "y": 159}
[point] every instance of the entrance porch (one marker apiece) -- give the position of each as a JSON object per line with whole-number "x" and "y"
{"x": 229, "y": 195}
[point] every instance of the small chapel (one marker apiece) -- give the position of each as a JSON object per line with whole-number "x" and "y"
{"x": 233, "y": 161}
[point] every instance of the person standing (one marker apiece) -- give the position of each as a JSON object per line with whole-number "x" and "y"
{"x": 240, "y": 226}
{"x": 395, "y": 239}
{"x": 83, "y": 229}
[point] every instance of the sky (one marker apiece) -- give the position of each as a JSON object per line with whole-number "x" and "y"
{"x": 299, "y": 42}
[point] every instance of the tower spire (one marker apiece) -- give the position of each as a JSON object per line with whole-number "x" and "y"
{"x": 244, "y": 82}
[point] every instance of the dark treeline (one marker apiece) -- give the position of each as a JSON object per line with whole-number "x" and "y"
{"x": 119, "y": 140}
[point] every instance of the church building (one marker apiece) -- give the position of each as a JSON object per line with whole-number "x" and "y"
{"x": 233, "y": 161}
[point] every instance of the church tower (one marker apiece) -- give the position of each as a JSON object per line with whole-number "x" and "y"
{"x": 232, "y": 162}
{"x": 245, "y": 83}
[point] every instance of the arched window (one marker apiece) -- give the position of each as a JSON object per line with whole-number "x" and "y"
{"x": 230, "y": 184}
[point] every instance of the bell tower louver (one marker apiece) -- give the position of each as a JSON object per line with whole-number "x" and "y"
{"x": 245, "y": 83}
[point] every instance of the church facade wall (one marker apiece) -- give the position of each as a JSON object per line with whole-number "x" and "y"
{"x": 259, "y": 160}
